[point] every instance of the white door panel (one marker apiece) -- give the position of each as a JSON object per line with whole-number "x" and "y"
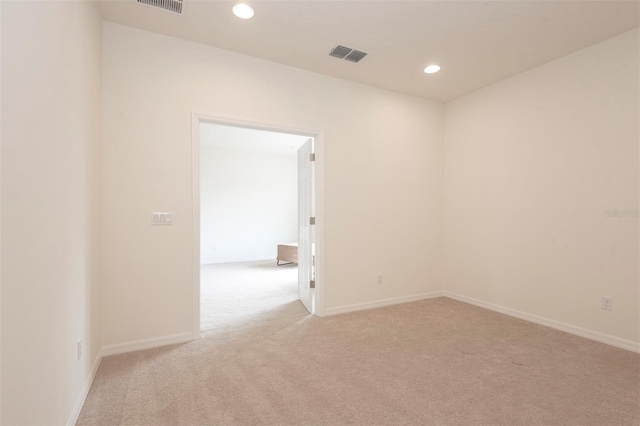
{"x": 305, "y": 212}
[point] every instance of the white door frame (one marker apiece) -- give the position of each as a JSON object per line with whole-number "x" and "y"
{"x": 198, "y": 117}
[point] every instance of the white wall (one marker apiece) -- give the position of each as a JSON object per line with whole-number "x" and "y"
{"x": 51, "y": 60}
{"x": 248, "y": 203}
{"x": 383, "y": 175}
{"x": 531, "y": 165}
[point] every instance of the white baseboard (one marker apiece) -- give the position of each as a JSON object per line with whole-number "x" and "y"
{"x": 139, "y": 345}
{"x": 567, "y": 328}
{"x": 84, "y": 392}
{"x": 380, "y": 303}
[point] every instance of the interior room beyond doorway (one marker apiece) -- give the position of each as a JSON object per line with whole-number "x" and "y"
{"x": 248, "y": 207}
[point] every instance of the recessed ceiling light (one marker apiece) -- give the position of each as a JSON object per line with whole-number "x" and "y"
{"x": 243, "y": 11}
{"x": 432, "y": 69}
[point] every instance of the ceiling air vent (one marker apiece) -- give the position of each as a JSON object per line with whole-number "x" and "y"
{"x": 347, "y": 53}
{"x": 173, "y": 6}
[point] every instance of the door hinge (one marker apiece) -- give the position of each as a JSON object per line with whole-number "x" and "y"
{"x": 312, "y": 156}
{"x": 312, "y": 284}
{"x": 312, "y": 221}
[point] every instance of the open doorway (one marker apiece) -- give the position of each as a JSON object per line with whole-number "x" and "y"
{"x": 255, "y": 199}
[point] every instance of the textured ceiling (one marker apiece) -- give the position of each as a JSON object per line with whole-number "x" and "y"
{"x": 477, "y": 43}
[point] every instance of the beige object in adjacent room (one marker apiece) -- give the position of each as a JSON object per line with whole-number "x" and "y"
{"x": 287, "y": 253}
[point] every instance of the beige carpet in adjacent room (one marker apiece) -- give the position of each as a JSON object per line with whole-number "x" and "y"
{"x": 429, "y": 362}
{"x": 235, "y": 293}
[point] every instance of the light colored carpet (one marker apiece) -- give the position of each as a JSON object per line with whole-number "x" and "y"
{"x": 233, "y": 294}
{"x": 429, "y": 362}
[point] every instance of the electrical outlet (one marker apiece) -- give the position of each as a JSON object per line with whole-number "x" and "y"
{"x": 79, "y": 349}
{"x": 607, "y": 303}
{"x": 379, "y": 278}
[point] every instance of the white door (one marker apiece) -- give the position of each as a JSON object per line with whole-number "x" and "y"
{"x": 305, "y": 234}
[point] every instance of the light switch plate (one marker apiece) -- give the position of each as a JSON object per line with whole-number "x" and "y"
{"x": 161, "y": 218}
